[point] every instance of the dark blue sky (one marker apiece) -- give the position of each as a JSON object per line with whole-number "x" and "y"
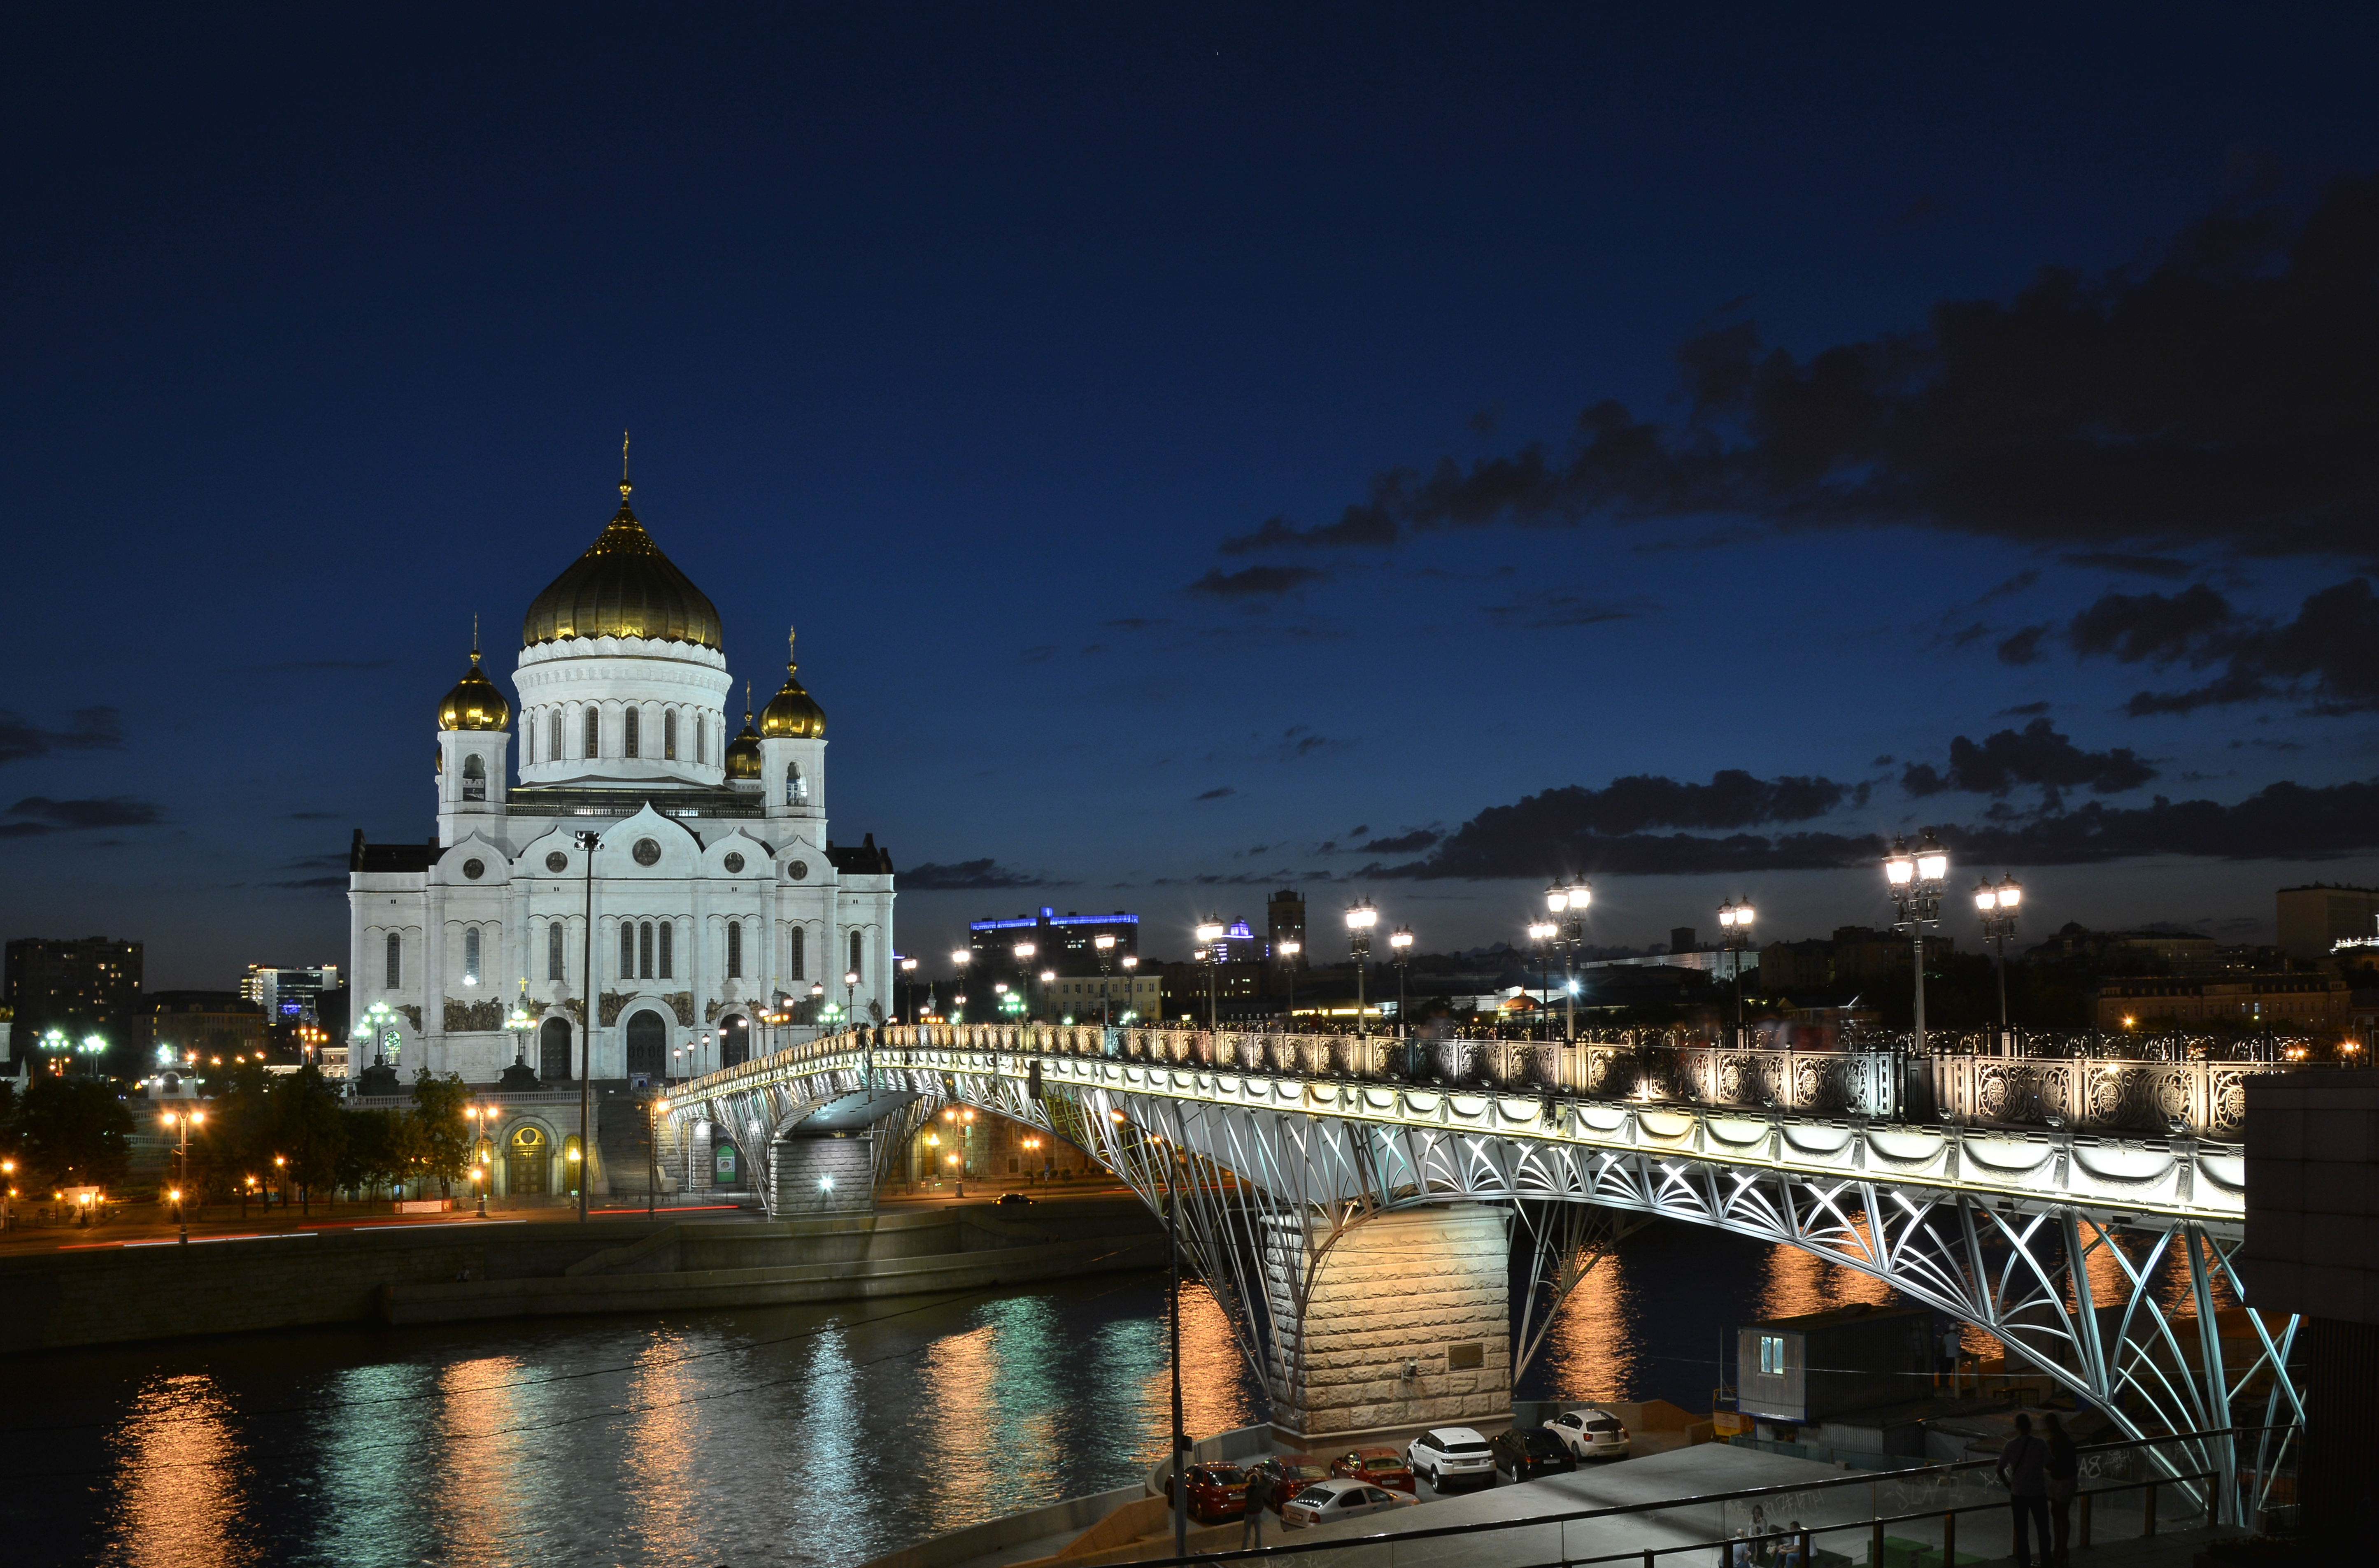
{"x": 1030, "y": 360}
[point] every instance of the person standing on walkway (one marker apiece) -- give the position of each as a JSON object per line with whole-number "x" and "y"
{"x": 1259, "y": 1493}
{"x": 2064, "y": 1477}
{"x": 2024, "y": 1470}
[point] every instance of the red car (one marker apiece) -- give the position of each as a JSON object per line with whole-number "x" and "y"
{"x": 1380, "y": 1467}
{"x": 1291, "y": 1473}
{"x": 1218, "y": 1493}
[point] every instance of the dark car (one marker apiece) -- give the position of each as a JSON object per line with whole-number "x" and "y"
{"x": 1291, "y": 1473}
{"x": 1380, "y": 1467}
{"x": 1013, "y": 1201}
{"x": 1217, "y": 1492}
{"x": 1526, "y": 1452}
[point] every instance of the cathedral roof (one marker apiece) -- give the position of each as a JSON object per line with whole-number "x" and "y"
{"x": 473, "y": 704}
{"x": 623, "y": 586}
{"x": 792, "y": 711}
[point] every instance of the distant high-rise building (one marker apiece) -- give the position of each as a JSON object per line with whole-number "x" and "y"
{"x": 1284, "y": 922}
{"x": 2314, "y": 919}
{"x": 77, "y": 986}
{"x": 1066, "y": 942}
{"x": 289, "y": 996}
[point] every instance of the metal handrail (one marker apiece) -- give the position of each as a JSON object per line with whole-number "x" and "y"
{"x": 1793, "y": 1489}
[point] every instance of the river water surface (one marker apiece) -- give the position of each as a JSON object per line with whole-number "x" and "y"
{"x": 816, "y": 1435}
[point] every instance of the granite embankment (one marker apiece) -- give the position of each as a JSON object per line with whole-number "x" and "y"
{"x": 466, "y": 1272}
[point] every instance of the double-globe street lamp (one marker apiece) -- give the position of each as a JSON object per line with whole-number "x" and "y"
{"x": 1360, "y": 918}
{"x": 1997, "y": 905}
{"x": 1915, "y": 877}
{"x": 1734, "y": 932}
{"x": 1024, "y": 951}
{"x": 183, "y": 1120}
{"x": 1288, "y": 952}
{"x": 1542, "y": 937}
{"x": 1104, "y": 943}
{"x": 1567, "y": 903}
{"x": 1209, "y": 932}
{"x": 1400, "y": 943}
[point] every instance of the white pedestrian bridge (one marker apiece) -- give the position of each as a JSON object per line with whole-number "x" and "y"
{"x": 2084, "y": 1211}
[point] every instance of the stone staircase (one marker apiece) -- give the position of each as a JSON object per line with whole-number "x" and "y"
{"x": 623, "y": 1143}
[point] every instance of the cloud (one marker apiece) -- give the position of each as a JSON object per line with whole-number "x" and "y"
{"x": 2283, "y": 822}
{"x": 88, "y": 729}
{"x": 2037, "y": 754}
{"x": 2024, "y": 647}
{"x": 2321, "y": 658}
{"x": 1560, "y": 825}
{"x": 1401, "y": 844}
{"x": 2217, "y": 390}
{"x": 970, "y": 877}
{"x": 2021, "y": 710}
{"x": 76, "y": 817}
{"x": 2015, "y": 585}
{"x": 340, "y": 881}
{"x": 2141, "y": 565}
{"x": 1558, "y": 610}
{"x": 1255, "y": 581}
{"x": 1216, "y": 794}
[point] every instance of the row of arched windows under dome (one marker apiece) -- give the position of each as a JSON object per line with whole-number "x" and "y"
{"x": 551, "y": 733}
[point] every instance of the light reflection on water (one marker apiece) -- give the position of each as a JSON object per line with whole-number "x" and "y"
{"x": 178, "y": 1477}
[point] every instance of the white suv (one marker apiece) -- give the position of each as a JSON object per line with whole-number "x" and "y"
{"x": 1444, "y": 1456}
{"x": 1591, "y": 1434}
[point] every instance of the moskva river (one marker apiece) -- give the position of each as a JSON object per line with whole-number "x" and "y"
{"x": 820, "y": 1435}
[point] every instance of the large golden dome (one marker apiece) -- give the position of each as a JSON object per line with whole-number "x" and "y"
{"x": 792, "y": 711}
{"x": 623, "y": 586}
{"x": 473, "y": 704}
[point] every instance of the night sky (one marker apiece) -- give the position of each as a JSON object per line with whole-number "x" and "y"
{"x": 1397, "y": 451}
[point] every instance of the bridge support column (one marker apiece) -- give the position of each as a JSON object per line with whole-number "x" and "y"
{"x": 834, "y": 1174}
{"x": 1399, "y": 1323}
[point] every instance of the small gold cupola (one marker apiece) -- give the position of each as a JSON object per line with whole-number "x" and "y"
{"x": 792, "y": 713}
{"x": 743, "y": 758}
{"x": 474, "y": 702}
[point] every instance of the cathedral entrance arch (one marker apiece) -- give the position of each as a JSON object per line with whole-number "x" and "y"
{"x": 529, "y": 1162}
{"x": 553, "y": 1051}
{"x": 734, "y": 1041}
{"x": 647, "y": 1044}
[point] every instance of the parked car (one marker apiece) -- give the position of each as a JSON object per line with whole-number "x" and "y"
{"x": 1526, "y": 1452}
{"x": 1326, "y": 1502}
{"x": 1380, "y": 1467}
{"x": 1291, "y": 1473}
{"x": 1591, "y": 1434}
{"x": 1217, "y": 1492}
{"x": 1013, "y": 1201}
{"x": 1447, "y": 1457}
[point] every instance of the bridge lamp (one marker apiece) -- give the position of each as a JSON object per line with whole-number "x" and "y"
{"x": 1360, "y": 918}
{"x": 1899, "y": 866}
{"x": 826, "y": 1184}
{"x": 1209, "y": 932}
{"x": 1734, "y": 932}
{"x": 960, "y": 956}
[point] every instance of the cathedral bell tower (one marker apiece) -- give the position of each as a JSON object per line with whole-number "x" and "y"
{"x": 474, "y": 752}
{"x": 792, "y": 752}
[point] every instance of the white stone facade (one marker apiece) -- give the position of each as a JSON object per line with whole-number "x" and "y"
{"x": 711, "y": 897}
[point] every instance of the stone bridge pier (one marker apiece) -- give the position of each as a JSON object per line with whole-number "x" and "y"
{"x": 812, "y": 1174}
{"x": 1390, "y": 1325}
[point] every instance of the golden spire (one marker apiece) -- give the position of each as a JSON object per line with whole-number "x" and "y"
{"x": 474, "y": 639}
{"x": 625, "y": 486}
{"x": 747, "y": 704}
{"x": 790, "y": 665}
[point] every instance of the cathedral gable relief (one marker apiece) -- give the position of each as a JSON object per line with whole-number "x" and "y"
{"x": 471, "y": 1018}
{"x": 681, "y": 1004}
{"x": 607, "y": 1010}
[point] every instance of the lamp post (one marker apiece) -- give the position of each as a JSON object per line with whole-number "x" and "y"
{"x": 588, "y": 842}
{"x": 1209, "y": 932}
{"x": 1734, "y": 929}
{"x": 1567, "y": 902}
{"x": 1024, "y": 951}
{"x": 1400, "y": 943}
{"x": 1540, "y": 936}
{"x": 54, "y": 1045}
{"x": 1915, "y": 878}
{"x": 1997, "y": 905}
{"x": 482, "y": 1119}
{"x": 653, "y": 1155}
{"x": 518, "y": 1023}
{"x": 1104, "y": 942}
{"x": 1288, "y": 951}
{"x": 1048, "y": 992}
{"x": 184, "y": 1120}
{"x": 1360, "y": 918}
{"x": 1130, "y": 967}
{"x": 909, "y": 987}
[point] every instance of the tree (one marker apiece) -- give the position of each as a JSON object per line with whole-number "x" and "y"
{"x": 445, "y": 1136}
{"x": 240, "y": 1131}
{"x": 372, "y": 1150}
{"x": 307, "y": 1130}
{"x": 74, "y": 1132}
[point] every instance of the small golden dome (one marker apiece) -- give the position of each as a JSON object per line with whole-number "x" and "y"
{"x": 623, "y": 586}
{"x": 474, "y": 702}
{"x": 742, "y": 757}
{"x": 792, "y": 712}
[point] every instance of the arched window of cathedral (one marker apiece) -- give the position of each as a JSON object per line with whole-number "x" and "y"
{"x": 644, "y": 950}
{"x": 701, "y": 739}
{"x": 854, "y": 952}
{"x": 475, "y": 777}
{"x": 553, "y": 950}
{"x": 797, "y": 788}
{"x": 734, "y": 949}
{"x": 528, "y": 742}
{"x": 668, "y": 735}
{"x": 627, "y": 950}
{"x": 395, "y": 962}
{"x": 628, "y": 747}
{"x": 799, "y": 942}
{"x": 669, "y": 940}
{"x": 553, "y": 736}
{"x": 471, "y": 956}
{"x": 594, "y": 733}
